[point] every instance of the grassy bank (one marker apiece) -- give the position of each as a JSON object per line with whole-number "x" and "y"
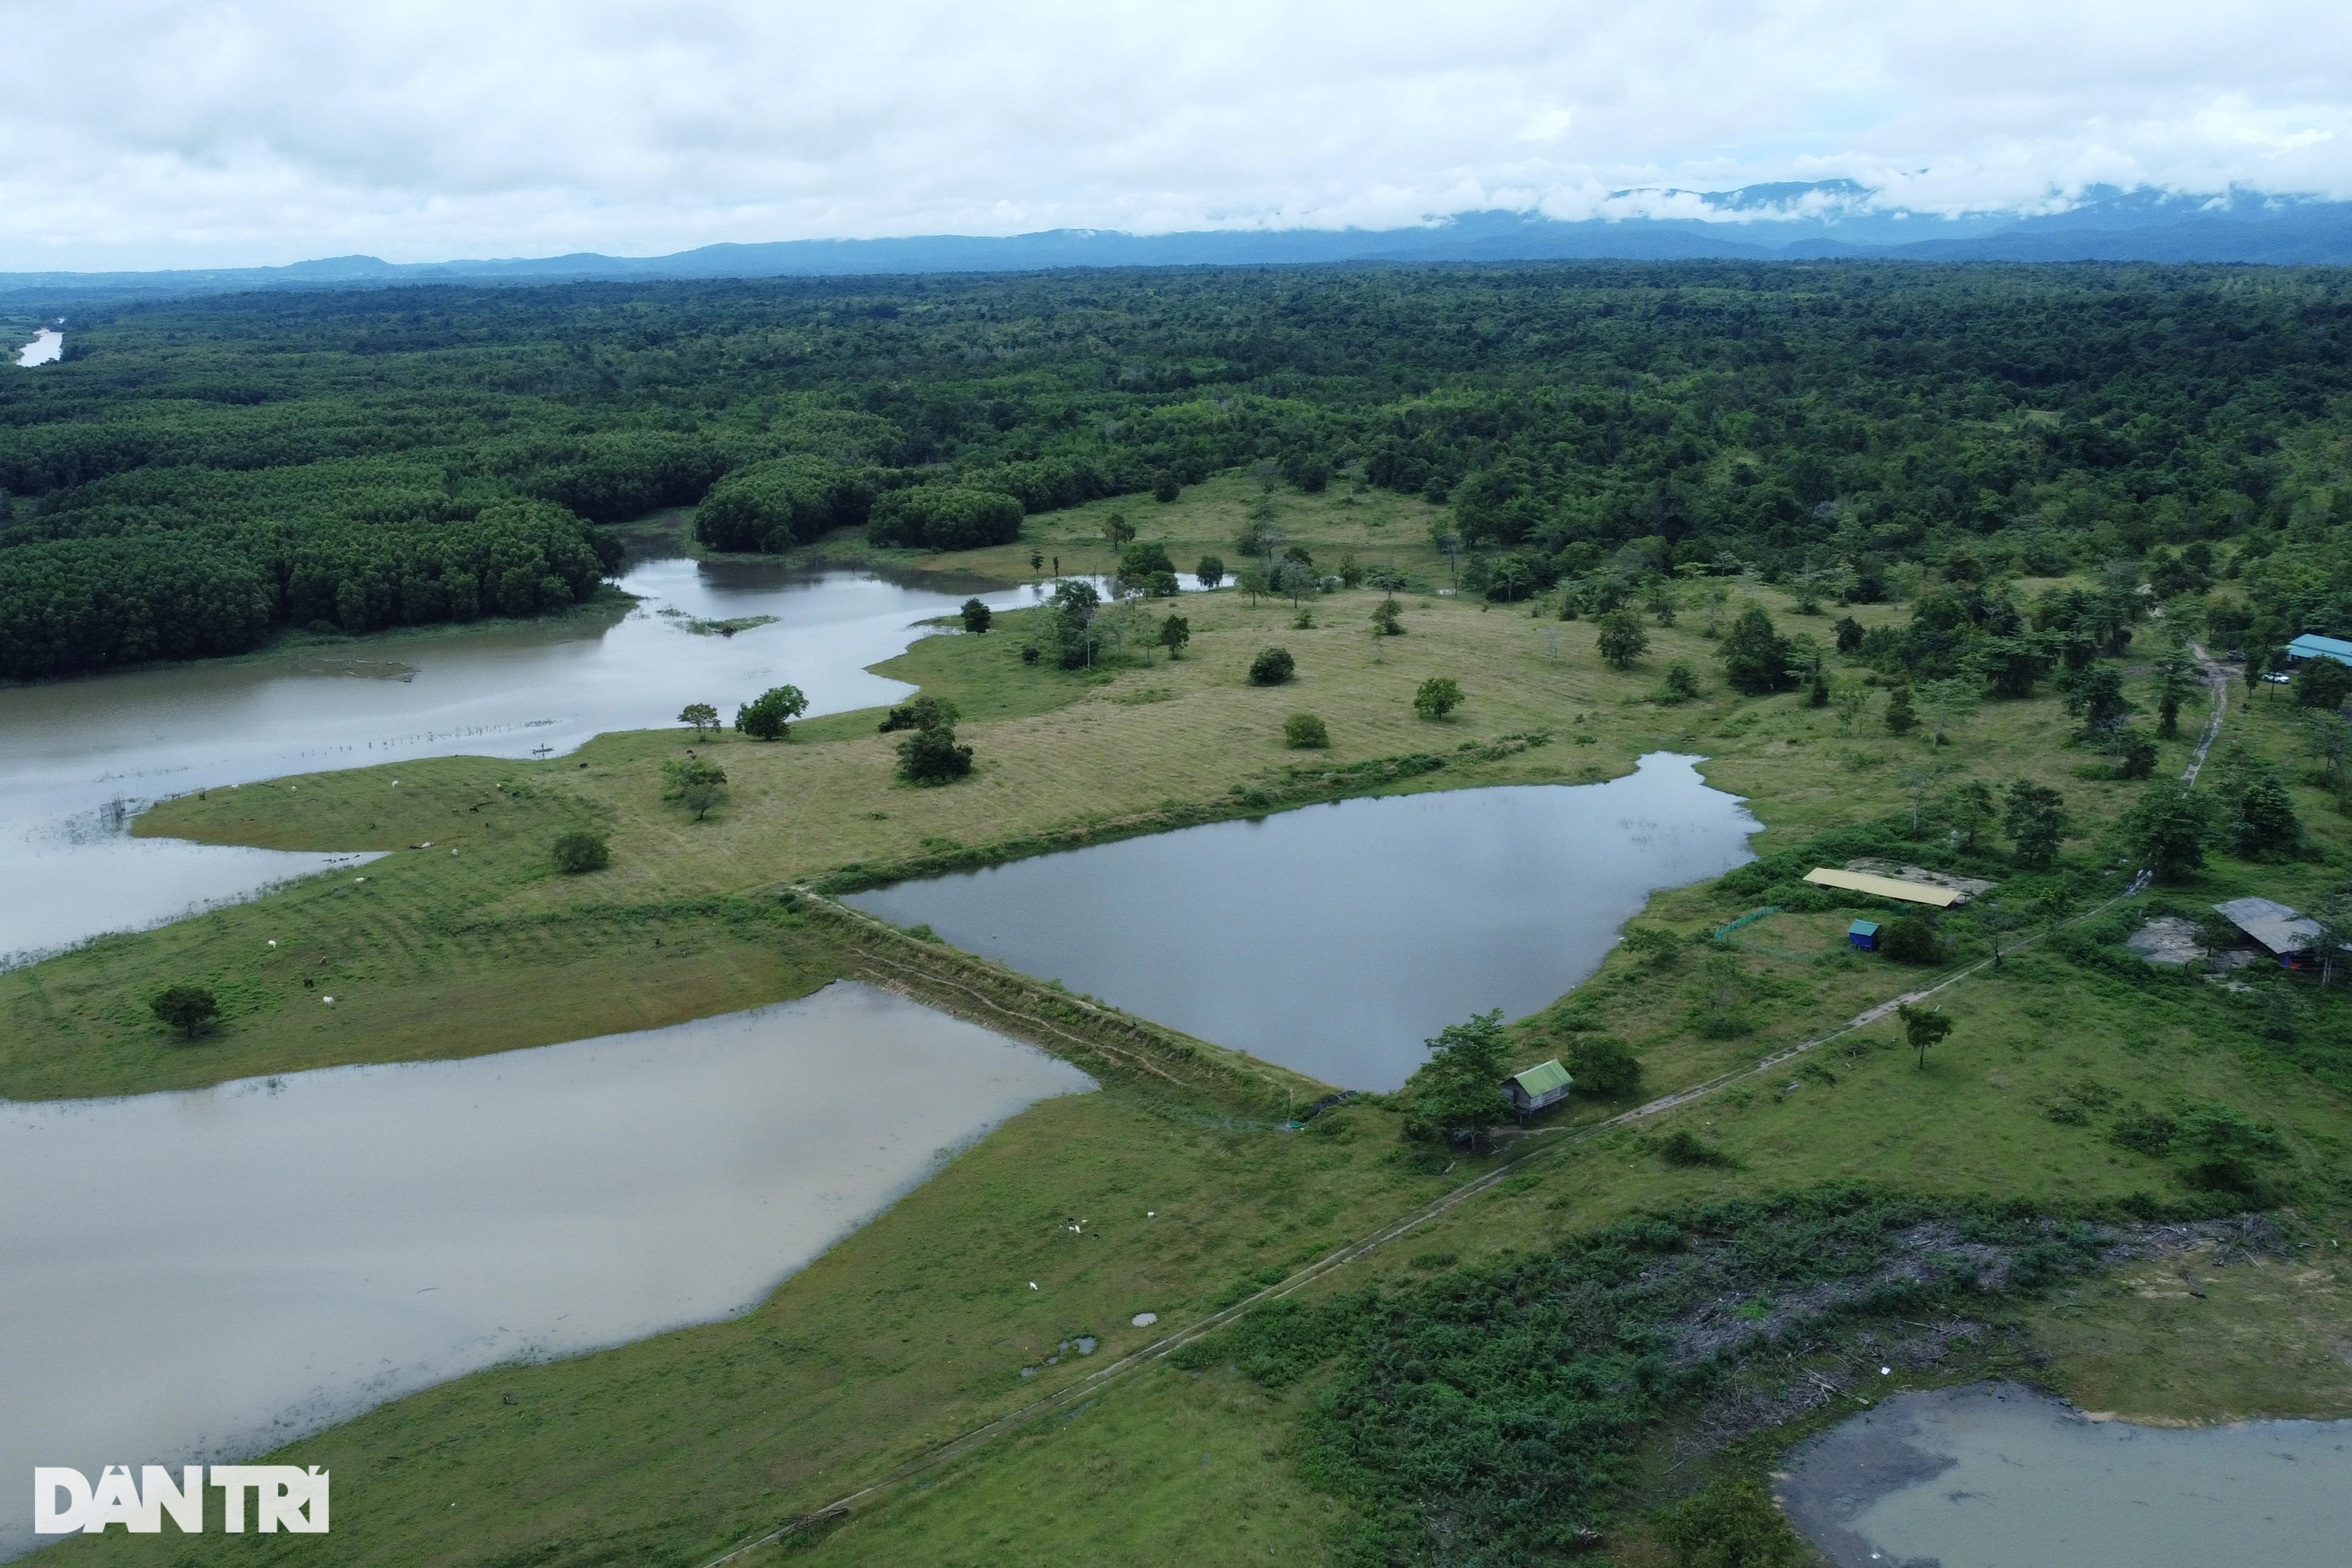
{"x": 917, "y": 1326}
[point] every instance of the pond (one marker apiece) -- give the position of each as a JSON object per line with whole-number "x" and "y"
{"x": 78, "y": 757}
{"x": 199, "y": 1277}
{"x": 1996, "y": 1476}
{"x": 1336, "y": 939}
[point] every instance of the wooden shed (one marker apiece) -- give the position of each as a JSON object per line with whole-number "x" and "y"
{"x": 1544, "y": 1084}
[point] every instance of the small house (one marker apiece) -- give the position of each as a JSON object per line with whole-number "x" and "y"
{"x": 2273, "y": 926}
{"x": 1864, "y": 934}
{"x": 1542, "y": 1085}
{"x": 2311, "y": 645}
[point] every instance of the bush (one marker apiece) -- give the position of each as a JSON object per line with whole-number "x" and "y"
{"x": 1682, "y": 1147}
{"x": 1604, "y": 1067}
{"x": 768, "y": 717}
{"x": 1681, "y": 684}
{"x": 1732, "y": 1524}
{"x": 1305, "y": 732}
{"x": 1438, "y": 697}
{"x": 1910, "y": 939}
{"x": 932, "y": 757}
{"x": 579, "y": 852}
{"x": 188, "y": 1007}
{"x": 1386, "y": 622}
{"x": 922, "y": 713}
{"x": 1272, "y": 667}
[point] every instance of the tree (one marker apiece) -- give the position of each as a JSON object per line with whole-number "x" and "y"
{"x": 768, "y": 717}
{"x": 2135, "y": 753}
{"x": 188, "y": 1007}
{"x": 2322, "y": 683}
{"x": 1658, "y": 599}
{"x": 1919, "y": 781}
{"x": 1848, "y": 632}
{"x": 1036, "y": 561}
{"x": 1251, "y": 581}
{"x": 1901, "y": 717}
{"x": 1174, "y": 633}
{"x": 1438, "y": 696}
{"x": 1210, "y": 571}
{"x": 2327, "y": 741}
{"x": 1681, "y": 684}
{"x": 1622, "y": 639}
{"x": 1817, "y": 686}
{"x": 1118, "y": 531}
{"x": 1850, "y": 699}
{"x": 1973, "y": 810}
{"x": 1732, "y": 1523}
{"x": 2176, "y": 682}
{"x": 2035, "y": 821}
{"x": 932, "y": 757}
{"x": 1603, "y": 1066}
{"x": 1296, "y": 580}
{"x": 1166, "y": 489}
{"x": 2168, "y": 827}
{"x": 1910, "y": 939}
{"x": 1948, "y": 703}
{"x": 2095, "y": 695}
{"x": 1923, "y": 1027}
{"x": 976, "y": 616}
{"x": 925, "y": 712}
{"x": 1272, "y": 667}
{"x": 1457, "y": 1093}
{"x": 1996, "y": 920}
{"x": 1305, "y": 732}
{"x": 1074, "y": 607}
{"x": 1755, "y": 657}
{"x": 695, "y": 784}
{"x": 701, "y": 715}
{"x": 1386, "y": 619}
{"x": 2262, "y": 819}
{"x": 576, "y": 853}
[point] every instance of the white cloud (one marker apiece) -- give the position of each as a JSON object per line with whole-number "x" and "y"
{"x": 162, "y": 132}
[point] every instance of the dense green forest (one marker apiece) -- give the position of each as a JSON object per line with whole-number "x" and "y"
{"x": 196, "y": 473}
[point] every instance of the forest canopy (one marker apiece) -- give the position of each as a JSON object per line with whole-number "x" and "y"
{"x": 196, "y": 473}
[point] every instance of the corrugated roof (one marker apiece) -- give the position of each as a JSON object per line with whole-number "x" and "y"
{"x": 2311, "y": 645}
{"x": 2271, "y": 924}
{"x": 1883, "y": 887}
{"x": 1542, "y": 1079}
{"x": 1862, "y": 928}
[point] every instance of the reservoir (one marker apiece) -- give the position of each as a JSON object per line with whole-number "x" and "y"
{"x": 1996, "y": 1476}
{"x": 201, "y": 1277}
{"x": 79, "y": 756}
{"x": 1336, "y": 939}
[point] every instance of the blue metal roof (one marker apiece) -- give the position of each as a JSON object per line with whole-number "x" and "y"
{"x": 2311, "y": 645}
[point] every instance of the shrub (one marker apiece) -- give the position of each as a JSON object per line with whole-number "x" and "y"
{"x": 922, "y": 713}
{"x": 932, "y": 757}
{"x": 1732, "y": 1524}
{"x": 1165, "y": 488}
{"x": 579, "y": 852}
{"x": 1438, "y": 697}
{"x": 188, "y": 1007}
{"x": 1272, "y": 667}
{"x": 1604, "y": 1067}
{"x": 2149, "y": 1133}
{"x": 1681, "y": 684}
{"x": 768, "y": 717}
{"x": 1682, "y": 1147}
{"x": 1910, "y": 939}
{"x": 1386, "y": 621}
{"x": 976, "y": 617}
{"x": 1305, "y": 731}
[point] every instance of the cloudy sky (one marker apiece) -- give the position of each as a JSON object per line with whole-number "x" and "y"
{"x": 168, "y": 133}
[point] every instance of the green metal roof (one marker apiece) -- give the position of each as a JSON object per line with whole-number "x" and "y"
{"x": 1542, "y": 1079}
{"x": 1862, "y": 928}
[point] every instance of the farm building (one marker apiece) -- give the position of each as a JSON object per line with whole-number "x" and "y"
{"x": 1544, "y": 1084}
{"x": 1885, "y": 888}
{"x": 2311, "y": 645}
{"x": 2271, "y": 926}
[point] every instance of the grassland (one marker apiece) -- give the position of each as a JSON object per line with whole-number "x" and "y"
{"x": 916, "y": 1327}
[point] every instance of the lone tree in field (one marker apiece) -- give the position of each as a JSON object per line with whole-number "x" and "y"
{"x": 2169, "y": 828}
{"x": 1438, "y": 696}
{"x": 2036, "y": 819}
{"x": 769, "y": 716}
{"x": 1901, "y": 717}
{"x": 1923, "y": 1027}
{"x": 1210, "y": 571}
{"x": 976, "y": 617}
{"x": 701, "y": 715}
{"x": 1174, "y": 633}
{"x": 1272, "y": 667}
{"x": 932, "y": 757}
{"x": 1118, "y": 531}
{"x": 694, "y": 784}
{"x": 1458, "y": 1092}
{"x": 188, "y": 1007}
{"x": 1387, "y": 620}
{"x": 578, "y": 852}
{"x": 1305, "y": 732}
{"x": 1623, "y": 640}
{"x": 922, "y": 713}
{"x": 1755, "y": 657}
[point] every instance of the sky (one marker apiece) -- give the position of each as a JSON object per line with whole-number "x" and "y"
{"x": 153, "y": 134}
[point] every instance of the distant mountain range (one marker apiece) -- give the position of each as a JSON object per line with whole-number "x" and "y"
{"x": 1831, "y": 219}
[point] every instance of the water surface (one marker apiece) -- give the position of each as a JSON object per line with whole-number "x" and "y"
{"x": 46, "y": 348}
{"x": 198, "y": 1276}
{"x": 1996, "y": 1476}
{"x": 78, "y": 757}
{"x": 1336, "y": 939}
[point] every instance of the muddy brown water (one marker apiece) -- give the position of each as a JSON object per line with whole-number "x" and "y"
{"x": 200, "y": 1277}
{"x": 1996, "y": 1476}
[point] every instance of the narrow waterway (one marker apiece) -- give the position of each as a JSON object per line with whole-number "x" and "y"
{"x": 1996, "y": 1476}
{"x": 1337, "y": 939}
{"x": 47, "y": 346}
{"x": 200, "y": 1277}
{"x": 79, "y": 757}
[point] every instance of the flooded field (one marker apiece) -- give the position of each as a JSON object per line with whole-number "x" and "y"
{"x": 1996, "y": 1476}
{"x": 198, "y": 1276}
{"x": 1336, "y": 939}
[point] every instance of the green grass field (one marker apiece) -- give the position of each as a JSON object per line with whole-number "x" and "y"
{"x": 916, "y": 1328}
